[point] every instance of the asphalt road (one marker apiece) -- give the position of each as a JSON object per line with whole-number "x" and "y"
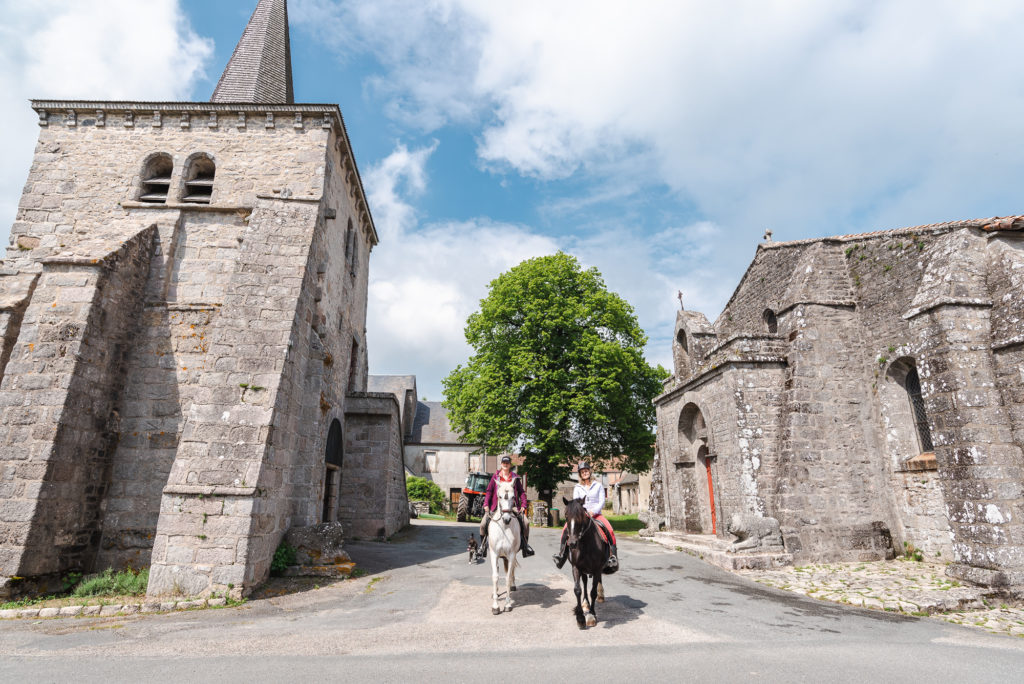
{"x": 422, "y": 614}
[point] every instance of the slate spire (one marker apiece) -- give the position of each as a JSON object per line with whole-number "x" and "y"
{"x": 260, "y": 70}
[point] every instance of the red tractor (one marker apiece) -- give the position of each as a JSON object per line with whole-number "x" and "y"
{"x": 471, "y": 503}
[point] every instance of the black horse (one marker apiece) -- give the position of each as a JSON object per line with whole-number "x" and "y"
{"x": 588, "y": 553}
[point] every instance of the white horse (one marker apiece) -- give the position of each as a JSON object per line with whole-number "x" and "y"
{"x": 503, "y": 540}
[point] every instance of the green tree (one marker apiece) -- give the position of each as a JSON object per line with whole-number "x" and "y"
{"x": 557, "y": 373}
{"x": 422, "y": 489}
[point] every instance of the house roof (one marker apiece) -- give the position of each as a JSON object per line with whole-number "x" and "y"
{"x": 260, "y": 69}
{"x": 391, "y": 384}
{"x": 430, "y": 426}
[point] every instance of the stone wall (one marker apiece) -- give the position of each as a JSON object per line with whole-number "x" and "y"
{"x": 60, "y": 394}
{"x": 250, "y": 334}
{"x": 373, "y": 504}
{"x": 856, "y": 316}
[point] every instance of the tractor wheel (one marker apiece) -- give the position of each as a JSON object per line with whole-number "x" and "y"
{"x": 462, "y": 510}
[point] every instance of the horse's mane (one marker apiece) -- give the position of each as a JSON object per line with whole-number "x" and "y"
{"x": 574, "y": 510}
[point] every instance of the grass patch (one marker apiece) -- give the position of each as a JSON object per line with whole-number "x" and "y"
{"x": 102, "y": 588}
{"x": 110, "y": 583}
{"x": 625, "y": 525}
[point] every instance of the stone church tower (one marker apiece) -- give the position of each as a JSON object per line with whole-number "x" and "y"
{"x": 182, "y": 316}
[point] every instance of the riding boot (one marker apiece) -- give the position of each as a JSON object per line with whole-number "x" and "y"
{"x": 612, "y": 564}
{"x": 483, "y": 538}
{"x": 563, "y": 553}
{"x": 527, "y": 551}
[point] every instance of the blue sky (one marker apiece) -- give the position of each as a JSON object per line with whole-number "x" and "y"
{"x": 655, "y": 141}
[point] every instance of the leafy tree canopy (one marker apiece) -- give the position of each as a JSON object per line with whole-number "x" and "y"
{"x": 558, "y": 373}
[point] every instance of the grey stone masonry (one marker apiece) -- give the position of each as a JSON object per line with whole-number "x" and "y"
{"x": 182, "y": 311}
{"x": 374, "y": 502}
{"x": 864, "y": 390}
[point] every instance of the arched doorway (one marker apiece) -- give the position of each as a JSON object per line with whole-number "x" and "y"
{"x": 333, "y": 457}
{"x": 697, "y": 472}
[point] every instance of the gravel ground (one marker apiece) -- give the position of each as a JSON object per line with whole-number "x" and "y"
{"x": 910, "y": 587}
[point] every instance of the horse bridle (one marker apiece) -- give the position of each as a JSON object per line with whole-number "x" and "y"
{"x": 586, "y": 519}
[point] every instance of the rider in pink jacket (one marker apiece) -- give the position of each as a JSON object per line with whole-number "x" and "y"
{"x": 505, "y": 474}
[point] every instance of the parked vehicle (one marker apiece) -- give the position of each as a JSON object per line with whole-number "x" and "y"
{"x": 471, "y": 503}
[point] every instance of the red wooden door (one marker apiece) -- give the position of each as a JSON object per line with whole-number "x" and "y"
{"x": 711, "y": 494}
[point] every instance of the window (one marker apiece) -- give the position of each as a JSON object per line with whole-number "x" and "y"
{"x": 681, "y": 339}
{"x": 353, "y": 366}
{"x": 351, "y": 253}
{"x": 771, "y": 321}
{"x": 912, "y": 383}
{"x": 430, "y": 461}
{"x": 199, "y": 180}
{"x": 156, "y": 179}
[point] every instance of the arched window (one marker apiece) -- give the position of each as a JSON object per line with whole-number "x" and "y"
{"x": 771, "y": 321}
{"x": 681, "y": 339}
{"x": 199, "y": 180}
{"x": 333, "y": 457}
{"x": 156, "y": 179}
{"x": 912, "y": 384}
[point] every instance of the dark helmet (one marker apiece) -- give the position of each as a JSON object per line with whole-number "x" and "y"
{"x": 506, "y": 459}
{"x": 583, "y": 466}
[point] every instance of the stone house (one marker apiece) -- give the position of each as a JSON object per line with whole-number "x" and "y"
{"x": 865, "y": 390}
{"x": 182, "y": 316}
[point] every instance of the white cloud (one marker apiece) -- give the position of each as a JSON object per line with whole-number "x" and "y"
{"x": 114, "y": 49}
{"x": 807, "y": 116}
{"x": 425, "y": 281}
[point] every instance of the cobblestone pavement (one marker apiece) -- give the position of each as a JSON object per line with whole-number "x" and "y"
{"x": 901, "y": 586}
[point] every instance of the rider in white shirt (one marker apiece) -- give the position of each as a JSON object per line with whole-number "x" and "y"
{"x": 592, "y": 493}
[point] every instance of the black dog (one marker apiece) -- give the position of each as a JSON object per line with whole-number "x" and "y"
{"x": 472, "y": 548}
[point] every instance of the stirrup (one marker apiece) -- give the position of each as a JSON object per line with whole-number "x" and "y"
{"x": 560, "y": 560}
{"x": 527, "y": 551}
{"x": 482, "y": 553}
{"x": 611, "y": 565}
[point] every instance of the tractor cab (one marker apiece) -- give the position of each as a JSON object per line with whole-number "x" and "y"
{"x": 471, "y": 503}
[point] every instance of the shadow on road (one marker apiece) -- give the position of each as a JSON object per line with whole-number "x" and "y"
{"x": 541, "y": 595}
{"x": 619, "y": 610}
{"x": 418, "y": 544}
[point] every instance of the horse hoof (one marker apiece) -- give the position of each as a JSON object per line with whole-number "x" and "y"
{"x": 512, "y": 588}
{"x": 581, "y": 625}
{"x": 600, "y": 599}
{"x": 495, "y": 611}
{"x": 591, "y": 621}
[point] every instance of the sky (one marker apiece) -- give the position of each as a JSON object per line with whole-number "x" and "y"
{"x": 655, "y": 141}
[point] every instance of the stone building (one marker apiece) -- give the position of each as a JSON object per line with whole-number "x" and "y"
{"x": 431, "y": 448}
{"x": 864, "y": 390}
{"x": 182, "y": 311}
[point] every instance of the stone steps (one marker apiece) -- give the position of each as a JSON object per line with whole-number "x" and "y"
{"x": 714, "y": 550}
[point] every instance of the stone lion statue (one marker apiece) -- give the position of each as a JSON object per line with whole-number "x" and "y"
{"x": 754, "y": 533}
